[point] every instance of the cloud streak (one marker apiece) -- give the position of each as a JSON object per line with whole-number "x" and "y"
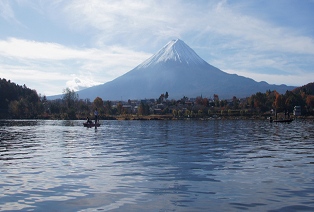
{"x": 6, "y": 11}
{"x": 262, "y": 36}
{"x": 44, "y": 61}
{"x": 127, "y": 20}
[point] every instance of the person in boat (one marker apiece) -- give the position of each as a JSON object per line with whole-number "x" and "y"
{"x": 88, "y": 121}
{"x": 96, "y": 115}
{"x": 271, "y": 119}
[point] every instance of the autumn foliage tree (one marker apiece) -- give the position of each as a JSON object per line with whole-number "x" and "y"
{"x": 279, "y": 103}
{"x": 199, "y": 100}
{"x": 310, "y": 103}
{"x": 99, "y": 104}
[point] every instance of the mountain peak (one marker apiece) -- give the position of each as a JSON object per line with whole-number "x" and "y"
{"x": 177, "y": 69}
{"x": 174, "y": 51}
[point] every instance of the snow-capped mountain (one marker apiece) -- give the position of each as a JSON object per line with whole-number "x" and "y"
{"x": 175, "y": 50}
{"x": 178, "y": 70}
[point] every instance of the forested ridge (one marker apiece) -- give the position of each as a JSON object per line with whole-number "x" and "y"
{"x": 18, "y": 100}
{"x": 21, "y": 102}
{"x": 307, "y": 89}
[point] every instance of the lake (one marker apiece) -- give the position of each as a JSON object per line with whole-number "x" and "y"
{"x": 188, "y": 165}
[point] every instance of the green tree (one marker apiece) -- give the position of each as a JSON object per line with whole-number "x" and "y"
{"x": 18, "y": 101}
{"x": 187, "y": 113}
{"x": 199, "y": 113}
{"x": 216, "y": 100}
{"x": 108, "y": 107}
{"x": 235, "y": 102}
{"x": 166, "y": 95}
{"x": 14, "y": 109}
{"x": 161, "y": 98}
{"x": 143, "y": 109}
{"x": 175, "y": 113}
{"x": 69, "y": 97}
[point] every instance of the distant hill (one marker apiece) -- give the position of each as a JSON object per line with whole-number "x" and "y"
{"x": 308, "y": 89}
{"x": 178, "y": 70}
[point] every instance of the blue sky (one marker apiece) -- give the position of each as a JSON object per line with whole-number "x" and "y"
{"x": 51, "y": 45}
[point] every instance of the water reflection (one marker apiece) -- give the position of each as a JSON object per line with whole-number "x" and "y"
{"x": 156, "y": 165}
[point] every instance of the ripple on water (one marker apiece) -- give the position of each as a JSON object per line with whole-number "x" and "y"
{"x": 156, "y": 165}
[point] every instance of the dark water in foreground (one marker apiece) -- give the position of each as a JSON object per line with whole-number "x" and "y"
{"x": 157, "y": 166}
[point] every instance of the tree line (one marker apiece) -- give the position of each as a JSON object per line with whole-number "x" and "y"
{"x": 18, "y": 101}
{"x": 21, "y": 102}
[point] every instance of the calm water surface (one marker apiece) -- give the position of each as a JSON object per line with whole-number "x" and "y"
{"x": 212, "y": 165}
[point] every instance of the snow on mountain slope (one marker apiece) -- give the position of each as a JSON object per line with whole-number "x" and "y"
{"x": 175, "y": 50}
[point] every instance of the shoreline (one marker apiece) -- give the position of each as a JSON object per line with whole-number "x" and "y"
{"x": 171, "y": 117}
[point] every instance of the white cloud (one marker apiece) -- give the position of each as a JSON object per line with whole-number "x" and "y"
{"x": 41, "y": 63}
{"x": 26, "y": 73}
{"x": 43, "y": 81}
{"x": 19, "y": 48}
{"x": 82, "y": 82}
{"x": 25, "y": 49}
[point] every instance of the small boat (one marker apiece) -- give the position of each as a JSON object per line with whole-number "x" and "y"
{"x": 89, "y": 125}
{"x": 284, "y": 120}
{"x": 281, "y": 120}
